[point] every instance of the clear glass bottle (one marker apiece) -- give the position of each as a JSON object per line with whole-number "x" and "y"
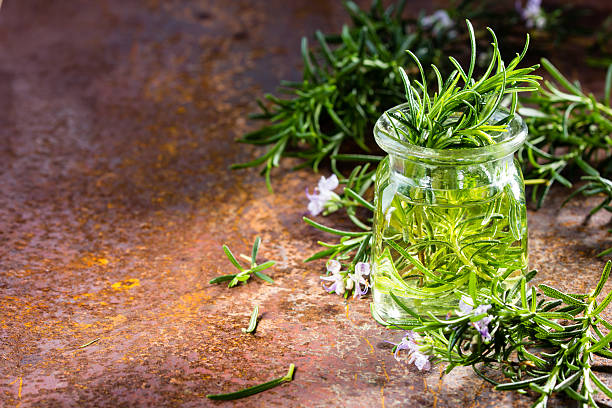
{"x": 445, "y": 217}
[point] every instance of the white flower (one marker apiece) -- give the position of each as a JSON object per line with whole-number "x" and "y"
{"x": 343, "y": 281}
{"x": 337, "y": 283}
{"x": 334, "y": 266}
{"x": 410, "y": 343}
{"x": 362, "y": 268}
{"x": 328, "y": 184}
{"x": 420, "y": 360}
{"x": 439, "y": 21}
{"x": 465, "y": 305}
{"x": 337, "y": 280}
{"x": 358, "y": 279}
{"x": 531, "y": 13}
{"x": 322, "y": 194}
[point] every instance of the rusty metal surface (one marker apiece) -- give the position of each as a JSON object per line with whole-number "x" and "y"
{"x": 117, "y": 123}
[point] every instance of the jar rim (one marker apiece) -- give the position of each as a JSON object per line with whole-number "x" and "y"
{"x": 517, "y": 132}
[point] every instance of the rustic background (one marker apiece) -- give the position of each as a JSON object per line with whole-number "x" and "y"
{"x": 117, "y": 121}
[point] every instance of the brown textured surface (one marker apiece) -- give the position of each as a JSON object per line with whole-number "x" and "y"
{"x": 116, "y": 122}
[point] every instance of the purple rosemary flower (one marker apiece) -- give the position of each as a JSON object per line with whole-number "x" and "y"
{"x": 409, "y": 343}
{"x": 532, "y": 13}
{"x": 420, "y": 360}
{"x": 363, "y": 268}
{"x": 341, "y": 282}
{"x": 321, "y": 194}
{"x": 467, "y": 307}
{"x": 336, "y": 278}
{"x": 358, "y": 279}
{"x": 482, "y": 326}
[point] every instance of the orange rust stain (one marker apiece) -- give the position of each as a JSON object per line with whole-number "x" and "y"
{"x": 83, "y": 295}
{"x": 436, "y": 393}
{"x": 195, "y": 298}
{"x": 126, "y": 284}
{"x": 90, "y": 260}
{"x": 477, "y": 394}
{"x": 115, "y": 320}
{"x": 20, "y": 385}
{"x": 369, "y": 344}
{"x": 170, "y": 148}
{"x": 385, "y": 370}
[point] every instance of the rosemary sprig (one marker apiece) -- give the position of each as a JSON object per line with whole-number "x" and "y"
{"x": 566, "y": 126}
{"x": 545, "y": 344}
{"x": 245, "y": 273}
{"x": 462, "y": 116}
{"x": 253, "y": 321}
{"x": 255, "y": 389}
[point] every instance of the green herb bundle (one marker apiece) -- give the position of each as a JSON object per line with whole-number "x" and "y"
{"x": 566, "y": 127}
{"x": 244, "y": 274}
{"x": 461, "y": 116}
{"x": 545, "y": 344}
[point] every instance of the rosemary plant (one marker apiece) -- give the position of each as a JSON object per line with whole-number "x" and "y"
{"x": 566, "y": 125}
{"x": 462, "y": 116}
{"x": 542, "y": 340}
{"x": 245, "y": 273}
{"x": 569, "y": 130}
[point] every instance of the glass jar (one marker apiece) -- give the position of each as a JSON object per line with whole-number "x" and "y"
{"x": 445, "y": 219}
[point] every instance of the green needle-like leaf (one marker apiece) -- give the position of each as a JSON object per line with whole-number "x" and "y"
{"x": 223, "y": 278}
{"x": 254, "y": 251}
{"x": 232, "y": 258}
{"x": 253, "y": 321}
{"x": 255, "y": 389}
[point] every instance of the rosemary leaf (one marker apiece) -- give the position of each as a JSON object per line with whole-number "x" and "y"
{"x": 255, "y": 389}
{"x": 253, "y": 321}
